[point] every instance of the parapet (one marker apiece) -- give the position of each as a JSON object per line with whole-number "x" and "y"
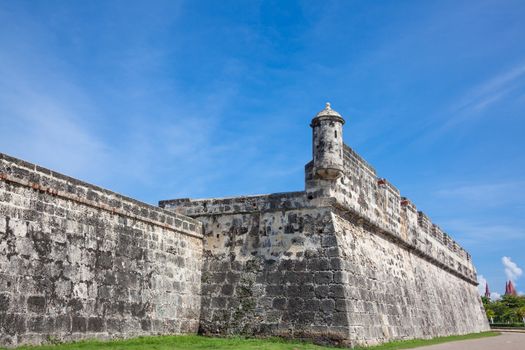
{"x": 359, "y": 193}
{"x": 32, "y": 176}
{"x": 348, "y": 260}
{"x": 237, "y": 205}
{"x": 357, "y": 161}
{"x": 380, "y": 203}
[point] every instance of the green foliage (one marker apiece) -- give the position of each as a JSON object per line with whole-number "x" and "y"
{"x": 490, "y": 314}
{"x": 416, "y": 343}
{"x": 506, "y": 325}
{"x": 521, "y": 312}
{"x": 53, "y": 340}
{"x": 193, "y": 342}
{"x": 509, "y": 309}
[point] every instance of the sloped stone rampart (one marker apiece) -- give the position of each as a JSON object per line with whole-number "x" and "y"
{"x": 348, "y": 261}
{"x": 375, "y": 200}
{"x": 78, "y": 261}
{"x": 269, "y": 270}
{"x": 393, "y": 293}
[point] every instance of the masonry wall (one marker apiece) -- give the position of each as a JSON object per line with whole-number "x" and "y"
{"x": 271, "y": 267}
{"x": 348, "y": 261}
{"x": 405, "y": 277}
{"x": 78, "y": 261}
{"x": 361, "y": 191}
{"x": 394, "y": 293}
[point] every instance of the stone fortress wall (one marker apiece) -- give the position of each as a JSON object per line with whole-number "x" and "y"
{"x": 348, "y": 260}
{"x": 271, "y": 267}
{"x": 78, "y": 261}
{"x": 361, "y": 192}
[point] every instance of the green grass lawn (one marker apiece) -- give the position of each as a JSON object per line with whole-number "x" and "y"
{"x": 206, "y": 343}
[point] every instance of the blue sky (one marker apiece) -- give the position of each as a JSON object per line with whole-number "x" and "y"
{"x": 167, "y": 99}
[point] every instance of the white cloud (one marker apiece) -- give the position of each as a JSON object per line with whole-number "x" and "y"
{"x": 476, "y": 232}
{"x": 490, "y": 91}
{"x": 477, "y": 100}
{"x": 492, "y": 194}
{"x": 495, "y": 296}
{"x": 481, "y": 284}
{"x": 61, "y": 122}
{"x": 512, "y": 270}
{"x": 482, "y": 96}
{"x": 54, "y": 132}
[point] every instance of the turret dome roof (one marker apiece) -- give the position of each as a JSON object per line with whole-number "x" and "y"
{"x": 328, "y": 111}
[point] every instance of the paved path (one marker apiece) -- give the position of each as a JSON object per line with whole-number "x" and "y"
{"x": 505, "y": 341}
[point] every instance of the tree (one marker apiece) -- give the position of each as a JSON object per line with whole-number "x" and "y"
{"x": 513, "y": 301}
{"x": 490, "y": 315}
{"x": 509, "y": 309}
{"x": 521, "y": 313}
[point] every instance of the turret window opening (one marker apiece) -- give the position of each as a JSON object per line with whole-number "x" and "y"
{"x": 335, "y": 133}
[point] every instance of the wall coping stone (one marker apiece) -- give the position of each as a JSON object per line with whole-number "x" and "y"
{"x": 151, "y": 215}
{"x": 245, "y": 205}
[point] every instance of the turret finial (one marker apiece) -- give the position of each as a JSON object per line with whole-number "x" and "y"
{"x": 328, "y": 112}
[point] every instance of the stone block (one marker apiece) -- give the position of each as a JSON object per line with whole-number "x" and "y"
{"x": 36, "y": 304}
{"x": 323, "y": 277}
{"x": 5, "y": 300}
{"x": 95, "y": 324}
{"x": 12, "y": 324}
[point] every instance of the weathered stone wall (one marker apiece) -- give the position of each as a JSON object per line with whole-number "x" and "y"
{"x": 348, "y": 260}
{"x": 394, "y": 293}
{"x": 77, "y": 261}
{"x": 271, "y": 266}
{"x": 378, "y": 202}
{"x": 405, "y": 277}
{"x": 327, "y": 144}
